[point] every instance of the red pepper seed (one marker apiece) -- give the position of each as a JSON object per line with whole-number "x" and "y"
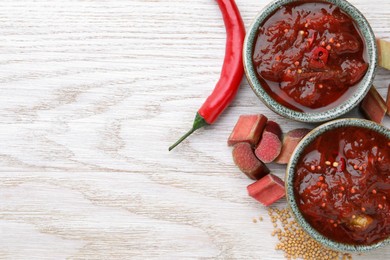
{"x": 299, "y": 71}
{"x": 323, "y": 205}
{"x": 331, "y": 40}
{"x": 356, "y": 167}
{"x": 353, "y": 216}
{"x": 335, "y": 225}
{"x": 342, "y": 188}
{"x": 321, "y": 178}
{"x": 318, "y": 167}
{"x": 327, "y": 163}
{"x": 323, "y": 193}
{"x": 320, "y": 86}
{"x": 323, "y": 43}
{"x": 335, "y": 164}
{"x": 324, "y": 186}
{"x": 363, "y": 209}
{"x": 384, "y": 197}
{"x": 338, "y": 45}
{"x": 379, "y": 159}
{"x": 328, "y": 47}
{"x": 373, "y": 191}
{"x": 301, "y": 32}
{"x": 340, "y": 194}
{"x": 286, "y": 30}
{"x": 312, "y": 167}
{"x": 361, "y": 168}
{"x": 331, "y": 221}
{"x": 353, "y": 190}
{"x": 296, "y": 63}
{"x": 380, "y": 206}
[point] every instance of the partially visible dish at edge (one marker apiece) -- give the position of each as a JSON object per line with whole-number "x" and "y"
{"x": 309, "y": 56}
{"x": 342, "y": 185}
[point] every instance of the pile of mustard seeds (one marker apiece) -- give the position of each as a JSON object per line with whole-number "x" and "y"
{"x": 295, "y": 242}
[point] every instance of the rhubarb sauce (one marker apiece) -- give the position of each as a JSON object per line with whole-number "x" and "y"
{"x": 342, "y": 185}
{"x": 309, "y": 56}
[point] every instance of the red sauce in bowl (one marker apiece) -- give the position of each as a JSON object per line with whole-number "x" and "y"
{"x": 342, "y": 185}
{"x": 309, "y": 55}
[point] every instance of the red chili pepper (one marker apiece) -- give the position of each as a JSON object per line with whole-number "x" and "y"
{"x": 232, "y": 70}
{"x": 319, "y": 58}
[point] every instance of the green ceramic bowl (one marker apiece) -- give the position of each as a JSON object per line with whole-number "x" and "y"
{"x": 361, "y": 89}
{"x": 290, "y": 180}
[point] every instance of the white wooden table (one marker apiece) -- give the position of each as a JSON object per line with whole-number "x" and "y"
{"x": 92, "y": 93}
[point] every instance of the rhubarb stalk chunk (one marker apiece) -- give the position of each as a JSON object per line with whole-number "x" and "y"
{"x": 247, "y": 162}
{"x": 383, "y": 53}
{"x": 247, "y": 129}
{"x": 270, "y": 143}
{"x": 373, "y": 106}
{"x": 290, "y": 141}
{"x": 267, "y": 190}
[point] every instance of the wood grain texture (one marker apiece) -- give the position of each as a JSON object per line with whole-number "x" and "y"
{"x": 92, "y": 93}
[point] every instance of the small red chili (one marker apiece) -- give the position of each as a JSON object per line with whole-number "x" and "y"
{"x": 319, "y": 58}
{"x": 232, "y": 70}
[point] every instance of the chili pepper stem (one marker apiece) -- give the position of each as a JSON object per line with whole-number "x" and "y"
{"x": 199, "y": 122}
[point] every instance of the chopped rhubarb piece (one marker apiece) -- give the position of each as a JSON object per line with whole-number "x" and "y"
{"x": 383, "y": 53}
{"x": 247, "y": 162}
{"x": 290, "y": 141}
{"x": 248, "y": 129}
{"x": 267, "y": 190}
{"x": 373, "y": 106}
{"x": 270, "y": 144}
{"x": 388, "y": 100}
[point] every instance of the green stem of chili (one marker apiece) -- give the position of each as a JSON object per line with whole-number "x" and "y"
{"x": 198, "y": 123}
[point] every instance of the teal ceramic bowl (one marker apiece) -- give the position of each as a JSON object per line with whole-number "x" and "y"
{"x": 290, "y": 180}
{"x": 361, "y": 89}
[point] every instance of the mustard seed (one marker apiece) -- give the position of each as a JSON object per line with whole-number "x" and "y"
{"x": 295, "y": 243}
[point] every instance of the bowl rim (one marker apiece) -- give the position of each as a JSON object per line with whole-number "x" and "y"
{"x": 363, "y": 87}
{"x": 289, "y": 185}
